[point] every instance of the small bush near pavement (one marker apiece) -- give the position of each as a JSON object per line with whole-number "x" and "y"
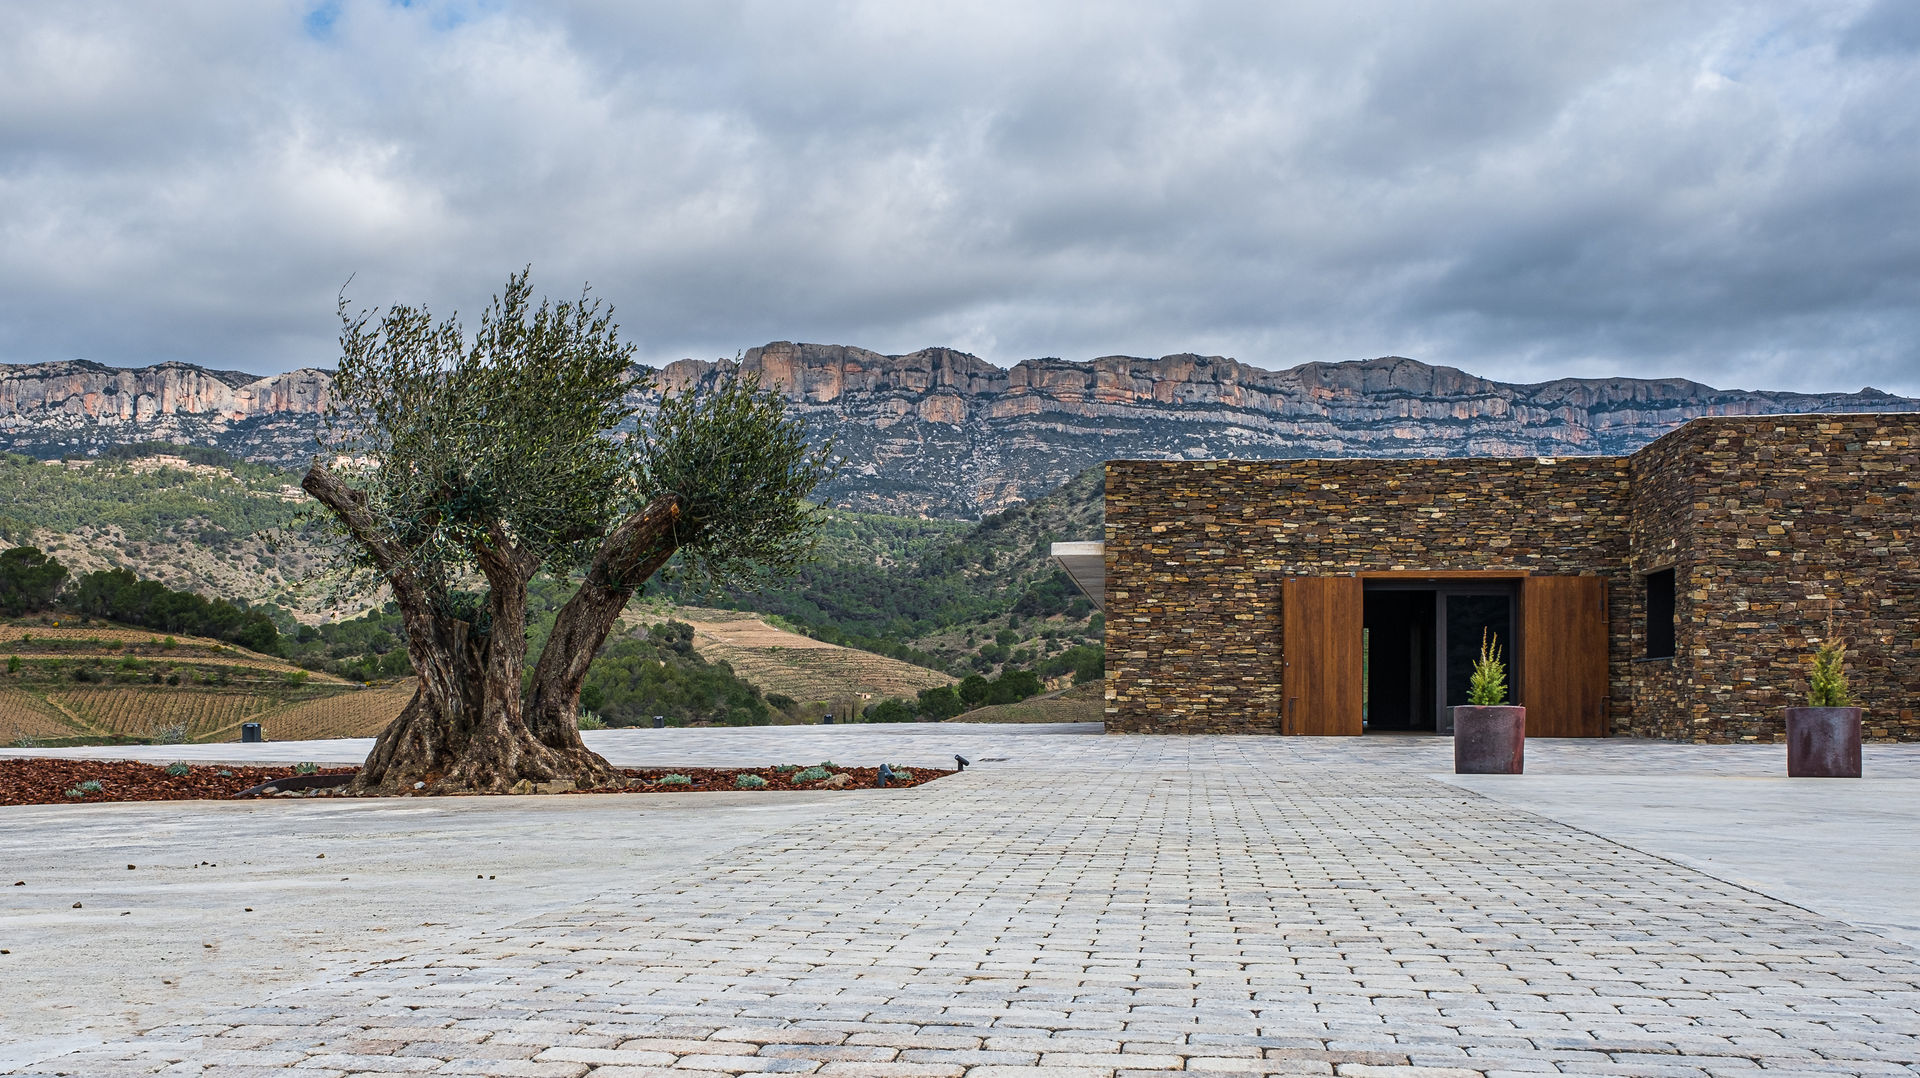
{"x": 167, "y": 733}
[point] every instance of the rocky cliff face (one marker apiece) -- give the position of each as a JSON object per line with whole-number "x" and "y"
{"x": 944, "y": 433}
{"x": 52, "y": 409}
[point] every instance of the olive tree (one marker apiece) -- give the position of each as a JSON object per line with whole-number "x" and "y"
{"x": 456, "y": 469}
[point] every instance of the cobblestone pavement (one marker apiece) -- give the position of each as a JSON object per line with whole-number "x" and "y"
{"x": 1120, "y": 907}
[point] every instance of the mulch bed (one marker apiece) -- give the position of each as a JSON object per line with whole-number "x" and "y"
{"x": 40, "y": 781}
{"x": 716, "y": 779}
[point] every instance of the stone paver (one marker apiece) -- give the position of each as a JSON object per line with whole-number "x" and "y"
{"x": 1113, "y": 906}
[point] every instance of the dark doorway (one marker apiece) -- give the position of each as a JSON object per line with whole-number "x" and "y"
{"x": 1421, "y": 640}
{"x": 1400, "y": 651}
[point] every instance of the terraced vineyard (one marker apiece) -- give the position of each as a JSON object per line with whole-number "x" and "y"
{"x": 66, "y": 681}
{"x": 23, "y": 715}
{"x": 1082, "y": 703}
{"x": 143, "y": 712}
{"x": 354, "y": 713}
{"x": 70, "y": 641}
{"x": 798, "y": 666}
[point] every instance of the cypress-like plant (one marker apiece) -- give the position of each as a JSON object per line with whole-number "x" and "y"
{"x": 1487, "y": 687}
{"x": 1827, "y": 686}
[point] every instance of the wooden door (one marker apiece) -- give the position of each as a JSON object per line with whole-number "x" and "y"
{"x": 1563, "y": 655}
{"x": 1320, "y": 645}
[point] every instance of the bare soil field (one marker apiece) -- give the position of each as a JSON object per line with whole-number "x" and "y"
{"x": 24, "y": 715}
{"x": 1082, "y": 703}
{"x": 140, "y": 712}
{"x": 789, "y": 663}
{"x": 354, "y": 713}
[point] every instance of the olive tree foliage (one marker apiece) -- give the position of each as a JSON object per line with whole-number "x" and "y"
{"x": 457, "y": 468}
{"x": 738, "y": 469}
{"x": 456, "y": 445}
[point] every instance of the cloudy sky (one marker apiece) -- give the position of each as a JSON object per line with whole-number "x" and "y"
{"x": 1528, "y": 190}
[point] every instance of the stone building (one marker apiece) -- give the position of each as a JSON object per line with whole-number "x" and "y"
{"x": 1676, "y": 593}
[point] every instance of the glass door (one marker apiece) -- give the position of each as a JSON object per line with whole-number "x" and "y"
{"x": 1467, "y": 616}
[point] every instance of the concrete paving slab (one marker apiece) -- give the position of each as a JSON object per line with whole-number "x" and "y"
{"x": 1072, "y": 905}
{"x": 1847, "y": 849}
{"x": 142, "y": 914}
{"x": 914, "y": 744}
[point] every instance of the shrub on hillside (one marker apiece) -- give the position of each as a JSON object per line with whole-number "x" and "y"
{"x": 1086, "y": 663}
{"x": 121, "y": 596}
{"x": 940, "y": 703}
{"x": 891, "y": 709}
{"x": 636, "y": 678}
{"x": 29, "y": 580}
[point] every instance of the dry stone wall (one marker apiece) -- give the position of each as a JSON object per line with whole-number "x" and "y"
{"x": 1770, "y": 523}
{"x": 1196, "y": 552}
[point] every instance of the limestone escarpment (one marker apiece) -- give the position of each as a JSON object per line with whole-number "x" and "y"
{"x": 945, "y": 433}
{"x": 75, "y": 407}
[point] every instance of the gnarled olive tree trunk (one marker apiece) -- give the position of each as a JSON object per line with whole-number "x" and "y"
{"x": 630, "y": 555}
{"x": 465, "y": 727}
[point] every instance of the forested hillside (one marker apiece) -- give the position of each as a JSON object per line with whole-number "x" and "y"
{"x": 969, "y": 598}
{"x": 161, "y": 532}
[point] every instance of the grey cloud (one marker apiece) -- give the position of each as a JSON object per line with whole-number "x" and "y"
{"x": 1523, "y": 190}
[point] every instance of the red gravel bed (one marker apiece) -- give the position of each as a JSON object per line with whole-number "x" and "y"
{"x": 41, "y": 781}
{"x": 718, "y": 779}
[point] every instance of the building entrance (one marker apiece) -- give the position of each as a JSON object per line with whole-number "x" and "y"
{"x": 1394, "y": 650}
{"x": 1419, "y": 641}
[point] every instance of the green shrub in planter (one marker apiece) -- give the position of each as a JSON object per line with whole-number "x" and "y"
{"x": 1827, "y": 686}
{"x": 1487, "y": 687}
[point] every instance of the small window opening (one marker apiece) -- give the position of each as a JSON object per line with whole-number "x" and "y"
{"x": 1660, "y": 614}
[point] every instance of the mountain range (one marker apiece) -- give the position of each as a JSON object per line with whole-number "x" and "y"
{"x": 942, "y": 433}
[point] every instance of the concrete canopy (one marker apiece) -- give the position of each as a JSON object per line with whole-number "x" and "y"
{"x": 1086, "y": 563}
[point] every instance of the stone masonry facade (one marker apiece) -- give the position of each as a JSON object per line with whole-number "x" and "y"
{"x": 1774, "y": 525}
{"x": 1769, "y": 523}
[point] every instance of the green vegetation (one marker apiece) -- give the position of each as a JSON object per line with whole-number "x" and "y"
{"x": 947, "y": 701}
{"x": 367, "y": 648}
{"x": 749, "y": 782}
{"x": 1487, "y": 685}
{"x": 673, "y": 780}
{"x": 1827, "y": 687}
{"x": 213, "y": 500}
{"x": 945, "y": 595}
{"x": 118, "y": 595}
{"x": 635, "y": 678}
{"x": 32, "y": 582}
{"x": 29, "y": 581}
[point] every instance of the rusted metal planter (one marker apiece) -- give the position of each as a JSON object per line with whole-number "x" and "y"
{"x": 1823, "y": 742}
{"x": 1489, "y": 740}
